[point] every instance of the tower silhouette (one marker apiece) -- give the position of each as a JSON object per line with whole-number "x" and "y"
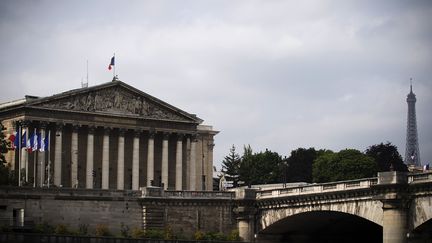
{"x": 412, "y": 151}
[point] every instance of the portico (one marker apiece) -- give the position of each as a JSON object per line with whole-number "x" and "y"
{"x": 111, "y": 136}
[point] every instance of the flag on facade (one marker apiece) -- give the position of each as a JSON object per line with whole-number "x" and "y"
{"x": 44, "y": 143}
{"x": 112, "y": 63}
{"x": 12, "y": 138}
{"x": 23, "y": 140}
{"x": 30, "y": 143}
{"x": 35, "y": 144}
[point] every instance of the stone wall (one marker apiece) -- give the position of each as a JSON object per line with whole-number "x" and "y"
{"x": 72, "y": 208}
{"x": 183, "y": 212}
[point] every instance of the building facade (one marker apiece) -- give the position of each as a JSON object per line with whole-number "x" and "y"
{"x": 110, "y": 136}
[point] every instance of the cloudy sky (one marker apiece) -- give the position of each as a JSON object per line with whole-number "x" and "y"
{"x": 273, "y": 74}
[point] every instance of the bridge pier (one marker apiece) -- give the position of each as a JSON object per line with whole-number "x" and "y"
{"x": 395, "y": 211}
{"x": 394, "y": 222}
{"x": 245, "y": 213}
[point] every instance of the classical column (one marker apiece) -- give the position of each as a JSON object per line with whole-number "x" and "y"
{"x": 120, "y": 160}
{"x": 135, "y": 160}
{"x": 164, "y": 172}
{"x": 90, "y": 157}
{"x": 58, "y": 155}
{"x": 74, "y": 157}
{"x": 150, "y": 158}
{"x": 209, "y": 176}
{"x": 24, "y": 154}
{"x": 105, "y": 159}
{"x": 41, "y": 155}
{"x": 179, "y": 161}
{"x": 192, "y": 164}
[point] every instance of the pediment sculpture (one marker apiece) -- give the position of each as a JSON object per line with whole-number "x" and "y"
{"x": 114, "y": 101}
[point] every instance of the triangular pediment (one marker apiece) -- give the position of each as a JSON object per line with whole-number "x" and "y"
{"x": 115, "y": 98}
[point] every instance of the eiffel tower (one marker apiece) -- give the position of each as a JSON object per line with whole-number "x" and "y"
{"x": 412, "y": 151}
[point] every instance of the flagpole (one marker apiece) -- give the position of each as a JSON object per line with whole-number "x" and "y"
{"x": 114, "y": 67}
{"x": 49, "y": 158}
{"x": 34, "y": 158}
{"x": 19, "y": 154}
{"x": 42, "y": 167}
{"x": 27, "y": 155}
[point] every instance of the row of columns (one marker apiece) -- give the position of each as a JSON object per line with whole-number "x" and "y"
{"x": 90, "y": 148}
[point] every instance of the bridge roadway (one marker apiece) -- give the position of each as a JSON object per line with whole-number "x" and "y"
{"x": 395, "y": 205}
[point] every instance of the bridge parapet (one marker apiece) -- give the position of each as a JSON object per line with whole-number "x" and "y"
{"x": 420, "y": 177}
{"x": 318, "y": 188}
{"x": 158, "y": 192}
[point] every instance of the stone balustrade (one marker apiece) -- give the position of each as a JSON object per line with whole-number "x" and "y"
{"x": 336, "y": 186}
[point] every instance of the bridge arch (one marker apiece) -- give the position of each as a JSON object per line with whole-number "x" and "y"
{"x": 370, "y": 210}
{"x": 322, "y": 226}
{"x": 420, "y": 211}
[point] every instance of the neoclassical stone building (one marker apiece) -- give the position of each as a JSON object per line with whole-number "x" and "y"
{"x": 111, "y": 136}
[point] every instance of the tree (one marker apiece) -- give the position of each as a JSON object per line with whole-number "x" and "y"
{"x": 299, "y": 165}
{"x": 4, "y": 144}
{"x": 386, "y": 155}
{"x": 260, "y": 168}
{"x": 347, "y": 164}
{"x": 231, "y": 166}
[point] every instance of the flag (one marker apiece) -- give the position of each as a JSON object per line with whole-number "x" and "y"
{"x": 23, "y": 140}
{"x": 35, "y": 144}
{"x": 12, "y": 138}
{"x": 41, "y": 142}
{"x": 30, "y": 143}
{"x": 112, "y": 63}
{"x": 44, "y": 143}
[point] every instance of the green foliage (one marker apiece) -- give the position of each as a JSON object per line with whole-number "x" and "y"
{"x": 82, "y": 229}
{"x": 231, "y": 166}
{"x": 4, "y": 144}
{"x": 234, "y": 235}
{"x": 199, "y": 235}
{"x": 299, "y": 165}
{"x": 137, "y": 233}
{"x": 386, "y": 155}
{"x": 155, "y": 234}
{"x": 4, "y": 169}
{"x": 61, "y": 229}
{"x": 102, "y": 230}
{"x": 124, "y": 230}
{"x": 260, "y": 168}
{"x": 44, "y": 228}
{"x": 347, "y": 164}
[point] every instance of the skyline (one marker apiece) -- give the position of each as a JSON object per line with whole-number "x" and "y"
{"x": 278, "y": 75}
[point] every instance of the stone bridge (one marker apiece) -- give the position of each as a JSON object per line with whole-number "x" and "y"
{"x": 394, "y": 207}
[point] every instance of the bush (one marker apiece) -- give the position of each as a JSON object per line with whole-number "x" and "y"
{"x": 82, "y": 229}
{"x": 124, "y": 230}
{"x": 102, "y": 230}
{"x": 61, "y": 229}
{"x": 138, "y": 233}
{"x": 44, "y": 228}
{"x": 199, "y": 235}
{"x": 155, "y": 234}
{"x": 234, "y": 235}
